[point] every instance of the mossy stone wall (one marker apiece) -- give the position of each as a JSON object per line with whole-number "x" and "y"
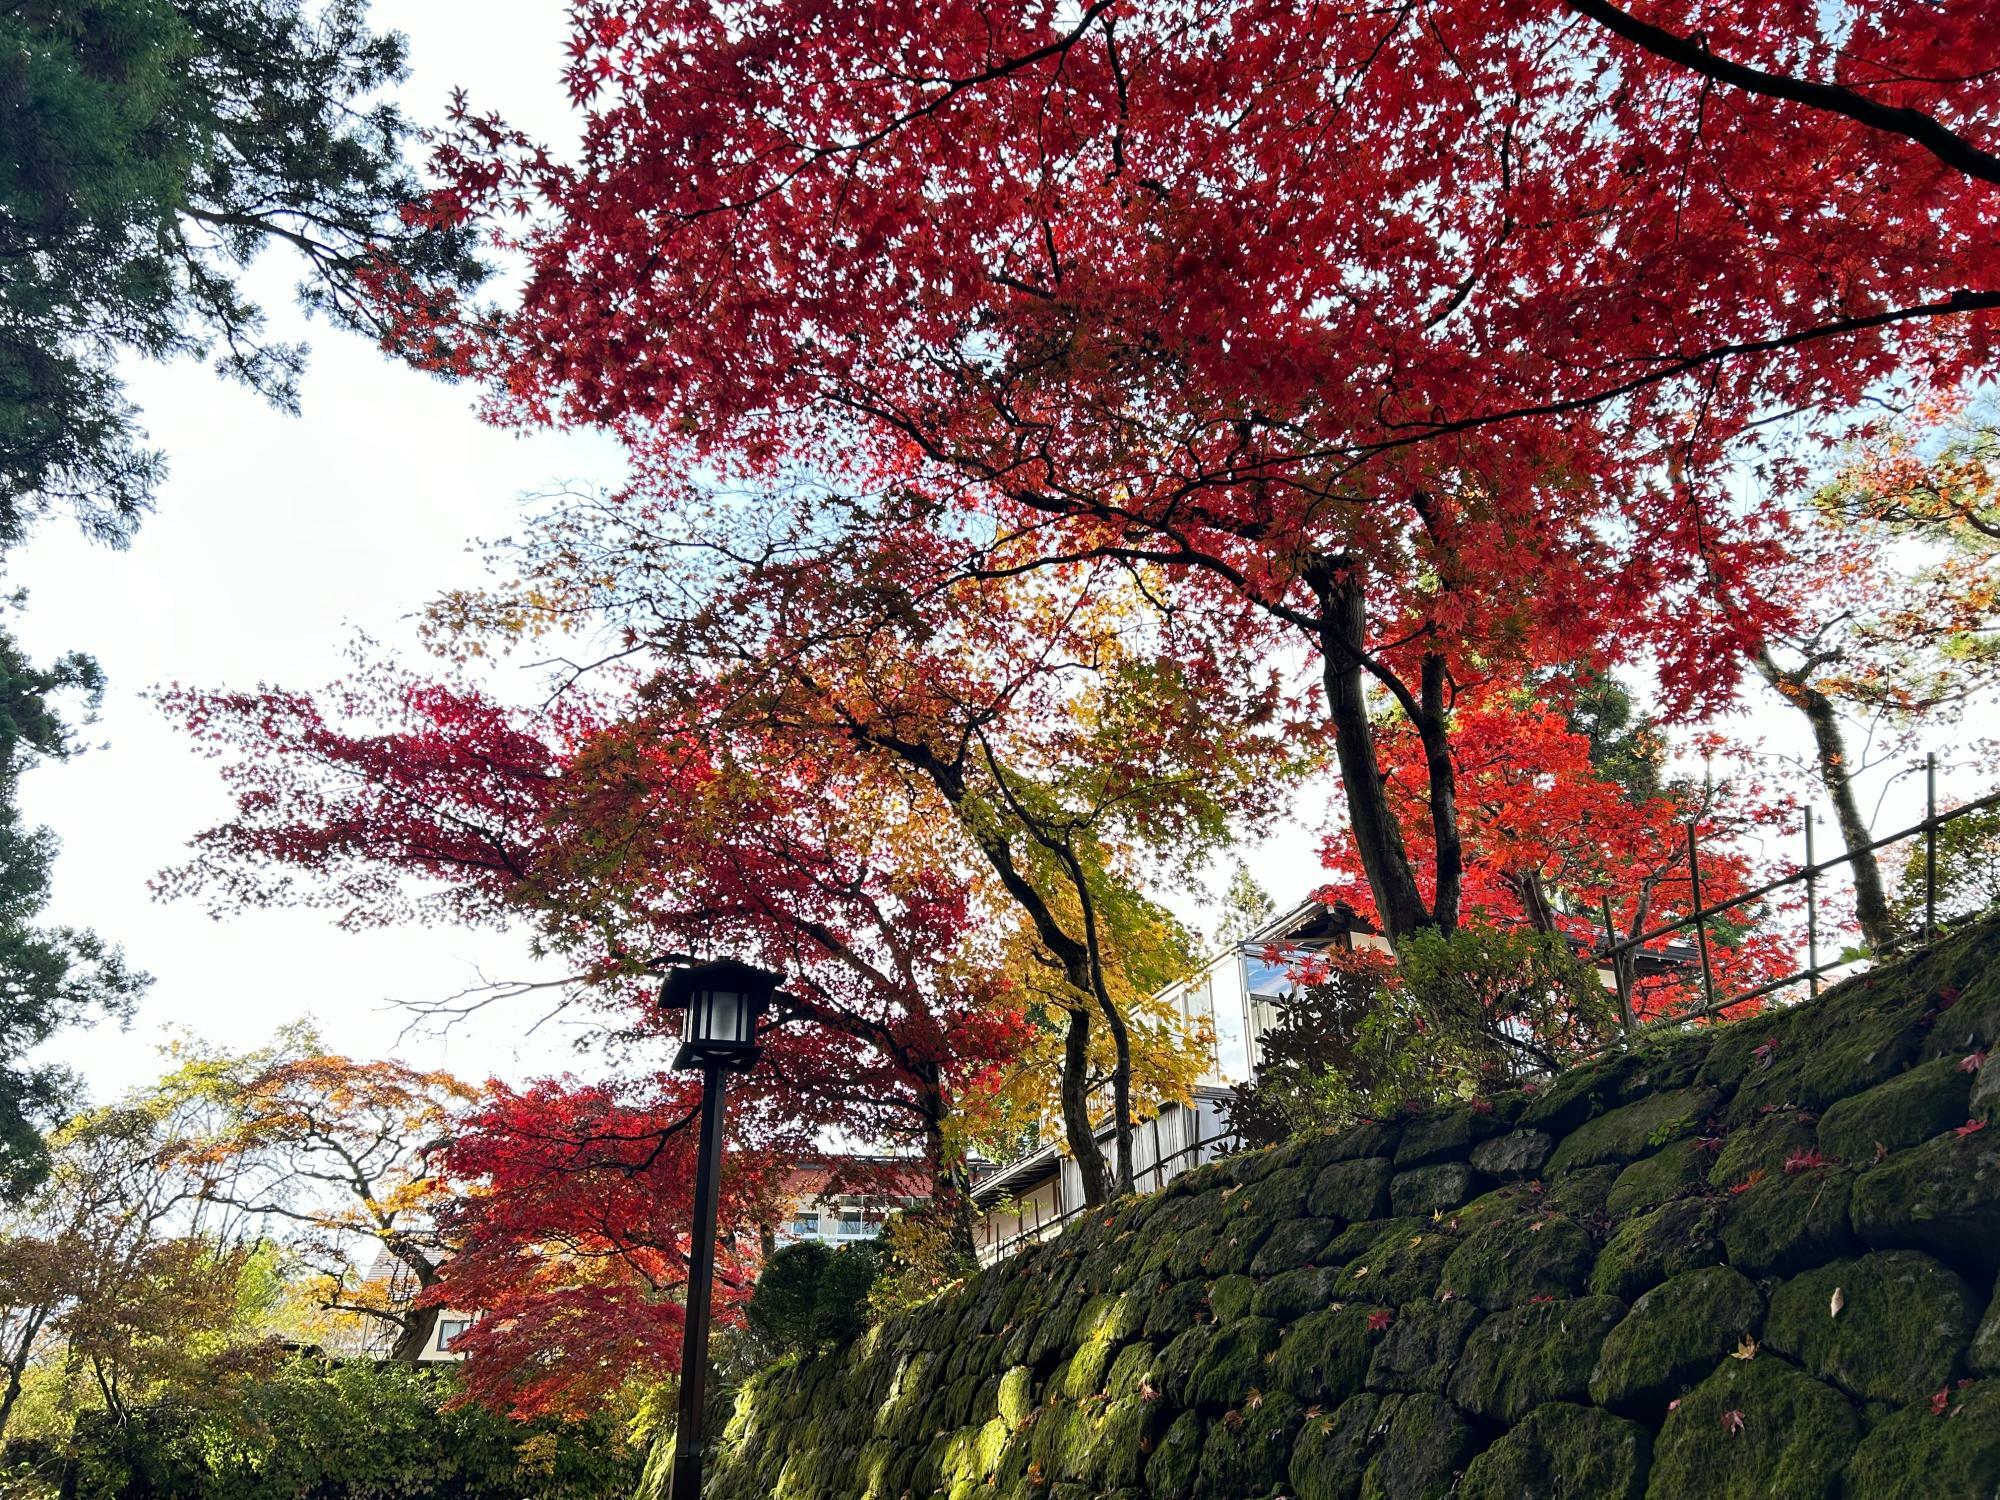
{"x": 1754, "y": 1260}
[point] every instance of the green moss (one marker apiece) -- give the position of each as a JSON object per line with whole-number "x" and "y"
{"x": 1673, "y": 1336}
{"x": 1417, "y": 1351}
{"x": 1352, "y": 1190}
{"x": 1424, "y": 1190}
{"x": 1233, "y": 1364}
{"x": 1581, "y": 1195}
{"x": 1545, "y": 1351}
{"x": 1176, "y": 1307}
{"x": 1248, "y": 1450}
{"x": 1170, "y": 1471}
{"x": 1333, "y": 1449}
{"x": 1942, "y": 1196}
{"x": 1574, "y": 1096}
{"x": 1902, "y": 1330}
{"x": 1786, "y": 1223}
{"x": 1827, "y": 1051}
{"x": 1512, "y": 1157}
{"x": 1634, "y": 1130}
{"x": 1916, "y": 1455}
{"x": 1230, "y": 1298}
{"x": 1357, "y": 1239}
{"x": 1420, "y": 1454}
{"x": 1293, "y": 1294}
{"x": 1132, "y": 1371}
{"x": 1906, "y": 1111}
{"x": 1666, "y": 1059}
{"x": 1512, "y": 1260}
{"x": 1017, "y": 1395}
{"x": 1292, "y": 1243}
{"x": 1324, "y": 1357}
{"x": 1764, "y": 1145}
{"x": 1794, "y": 1439}
{"x": 1563, "y": 1450}
{"x": 1653, "y": 1180}
{"x": 1177, "y": 1361}
{"x": 1984, "y": 1356}
{"x": 1235, "y": 1247}
{"x": 1399, "y": 1266}
{"x": 1449, "y": 1136}
{"x": 1279, "y": 1195}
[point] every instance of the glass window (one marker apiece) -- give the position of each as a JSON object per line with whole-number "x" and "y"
{"x": 449, "y": 1329}
{"x": 1267, "y": 980}
{"x": 805, "y": 1225}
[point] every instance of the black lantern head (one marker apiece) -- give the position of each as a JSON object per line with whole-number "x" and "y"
{"x": 720, "y": 1003}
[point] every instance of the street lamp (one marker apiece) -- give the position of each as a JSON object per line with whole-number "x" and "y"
{"x": 721, "y": 1002}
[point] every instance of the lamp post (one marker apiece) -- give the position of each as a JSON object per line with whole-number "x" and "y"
{"x": 721, "y": 1002}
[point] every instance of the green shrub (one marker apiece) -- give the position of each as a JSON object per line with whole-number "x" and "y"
{"x": 809, "y": 1296}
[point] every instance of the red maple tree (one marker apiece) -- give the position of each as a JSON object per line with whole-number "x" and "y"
{"x": 1364, "y": 322}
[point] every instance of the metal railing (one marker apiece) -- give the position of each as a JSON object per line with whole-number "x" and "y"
{"x": 1156, "y": 1170}
{"x": 1618, "y": 952}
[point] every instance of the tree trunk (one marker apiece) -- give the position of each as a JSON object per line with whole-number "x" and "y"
{"x": 1443, "y": 777}
{"x": 1871, "y": 907}
{"x": 420, "y": 1322}
{"x": 1077, "y": 1128}
{"x": 1342, "y": 634}
{"x": 951, "y": 1190}
{"x": 1534, "y": 898}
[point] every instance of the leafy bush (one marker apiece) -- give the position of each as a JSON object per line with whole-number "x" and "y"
{"x": 809, "y": 1296}
{"x": 1450, "y": 1018}
{"x": 921, "y": 1253}
{"x": 355, "y": 1430}
{"x": 1968, "y": 871}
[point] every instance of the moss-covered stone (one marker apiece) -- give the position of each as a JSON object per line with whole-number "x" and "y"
{"x": 1984, "y": 1356}
{"x": 1581, "y": 1194}
{"x": 1447, "y": 1136}
{"x": 1545, "y": 1351}
{"x": 1368, "y": 1138}
{"x": 1176, "y": 1307}
{"x": 1235, "y": 1247}
{"x": 1573, "y": 1097}
{"x": 1515, "y": 1156}
{"x": 1901, "y": 1332}
{"x": 1635, "y": 1130}
{"x": 1561, "y": 1450}
{"x": 1017, "y": 1395}
{"x": 1652, "y": 1180}
{"x": 1170, "y": 1472}
{"x": 1826, "y": 1052}
{"x": 1233, "y": 1364}
{"x": 1645, "y": 1251}
{"x": 1787, "y": 1435}
{"x": 1665, "y": 1059}
{"x": 1292, "y": 1243}
{"x": 1177, "y": 1361}
{"x": 1512, "y": 1260}
{"x": 1293, "y": 1294}
{"x": 1352, "y": 1190}
{"x": 1424, "y": 1190}
{"x": 1906, "y": 1111}
{"x": 1133, "y": 1370}
{"x": 1420, "y": 1345}
{"x": 1763, "y": 1146}
{"x": 1673, "y": 1336}
{"x": 1399, "y": 1266}
{"x": 1942, "y": 1196}
{"x": 1229, "y": 1298}
{"x": 1915, "y": 1454}
{"x": 1421, "y": 1454}
{"x": 1783, "y": 1224}
{"x": 1249, "y": 1449}
{"x": 1333, "y": 1449}
{"x": 1356, "y": 1240}
{"x": 1324, "y": 1357}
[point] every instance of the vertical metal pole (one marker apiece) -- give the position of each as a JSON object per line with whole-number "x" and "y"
{"x": 1930, "y": 845}
{"x": 1159, "y": 1166}
{"x": 1812, "y": 913}
{"x": 1617, "y": 972}
{"x": 1700, "y": 923}
{"x": 688, "y": 1438}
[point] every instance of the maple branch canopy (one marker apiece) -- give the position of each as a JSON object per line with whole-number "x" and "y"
{"x": 1243, "y": 276}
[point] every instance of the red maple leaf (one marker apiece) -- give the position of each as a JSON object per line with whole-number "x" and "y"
{"x": 1969, "y": 1127}
{"x": 1971, "y": 1062}
{"x": 1801, "y": 1161}
{"x": 1766, "y": 1053}
{"x": 1732, "y": 1421}
{"x": 1749, "y": 1182}
{"x": 1377, "y": 1321}
{"x": 1940, "y": 1400}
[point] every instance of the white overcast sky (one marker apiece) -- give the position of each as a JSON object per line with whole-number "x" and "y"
{"x": 276, "y": 538}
